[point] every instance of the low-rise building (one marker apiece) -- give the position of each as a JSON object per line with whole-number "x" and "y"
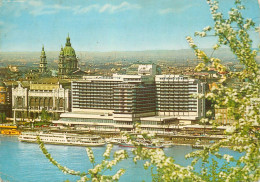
{"x": 50, "y": 94}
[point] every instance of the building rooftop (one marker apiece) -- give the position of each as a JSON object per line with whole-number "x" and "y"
{"x": 10, "y": 83}
{"x": 158, "y": 118}
{"x": 25, "y": 84}
{"x": 52, "y": 80}
{"x": 81, "y": 114}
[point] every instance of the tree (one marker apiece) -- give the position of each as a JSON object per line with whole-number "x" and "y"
{"x": 45, "y": 115}
{"x": 243, "y": 105}
{"x": 2, "y": 117}
{"x": 96, "y": 174}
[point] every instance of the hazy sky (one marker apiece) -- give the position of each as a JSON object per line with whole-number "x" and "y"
{"x": 108, "y": 25}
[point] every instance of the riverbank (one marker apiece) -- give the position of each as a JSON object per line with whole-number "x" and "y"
{"x": 185, "y": 136}
{"x": 174, "y": 139}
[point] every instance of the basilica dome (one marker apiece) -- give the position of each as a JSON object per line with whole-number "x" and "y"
{"x": 68, "y": 62}
{"x": 68, "y": 50}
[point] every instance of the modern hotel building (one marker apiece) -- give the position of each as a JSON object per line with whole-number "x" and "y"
{"x": 157, "y": 102}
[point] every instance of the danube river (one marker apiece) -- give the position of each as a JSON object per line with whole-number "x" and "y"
{"x": 22, "y": 162}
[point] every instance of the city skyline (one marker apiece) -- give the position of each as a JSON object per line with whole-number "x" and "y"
{"x": 116, "y": 25}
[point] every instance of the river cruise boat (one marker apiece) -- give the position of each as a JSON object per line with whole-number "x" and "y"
{"x": 63, "y": 139}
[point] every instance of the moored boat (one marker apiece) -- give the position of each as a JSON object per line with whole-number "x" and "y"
{"x": 63, "y": 139}
{"x": 116, "y": 140}
{"x": 197, "y": 146}
{"x": 144, "y": 145}
{"x": 167, "y": 144}
{"x": 10, "y": 132}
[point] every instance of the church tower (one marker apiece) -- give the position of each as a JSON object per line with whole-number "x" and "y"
{"x": 43, "y": 62}
{"x": 61, "y": 65}
{"x": 68, "y": 62}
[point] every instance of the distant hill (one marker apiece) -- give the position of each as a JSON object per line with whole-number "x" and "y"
{"x": 149, "y": 55}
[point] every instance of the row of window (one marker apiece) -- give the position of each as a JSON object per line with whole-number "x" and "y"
{"x": 88, "y": 120}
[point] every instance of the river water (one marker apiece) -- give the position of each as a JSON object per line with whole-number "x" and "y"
{"x": 25, "y": 162}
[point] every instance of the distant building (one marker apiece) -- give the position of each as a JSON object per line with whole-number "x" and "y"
{"x": 5, "y": 109}
{"x": 143, "y": 69}
{"x": 149, "y": 69}
{"x": 132, "y": 70}
{"x": 8, "y": 97}
{"x": 222, "y": 117}
{"x": 2, "y": 93}
{"x": 68, "y": 62}
{"x": 43, "y": 62}
{"x": 7, "y": 74}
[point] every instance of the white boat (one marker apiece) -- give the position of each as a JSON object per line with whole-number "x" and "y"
{"x": 116, "y": 140}
{"x": 63, "y": 139}
{"x": 197, "y": 146}
{"x": 144, "y": 145}
{"x": 167, "y": 144}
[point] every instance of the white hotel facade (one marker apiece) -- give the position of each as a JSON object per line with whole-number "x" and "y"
{"x": 158, "y": 102}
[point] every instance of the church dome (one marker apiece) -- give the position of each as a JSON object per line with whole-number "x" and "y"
{"x": 68, "y": 50}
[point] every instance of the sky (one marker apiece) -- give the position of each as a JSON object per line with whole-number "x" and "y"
{"x": 109, "y": 25}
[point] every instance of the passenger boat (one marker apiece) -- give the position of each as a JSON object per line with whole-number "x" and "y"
{"x": 63, "y": 139}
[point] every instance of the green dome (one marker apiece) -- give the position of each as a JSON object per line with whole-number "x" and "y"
{"x": 43, "y": 52}
{"x": 69, "y": 51}
{"x": 61, "y": 51}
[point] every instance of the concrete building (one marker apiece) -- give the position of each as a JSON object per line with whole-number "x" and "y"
{"x": 50, "y": 94}
{"x": 158, "y": 102}
{"x": 173, "y": 97}
{"x": 124, "y": 97}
